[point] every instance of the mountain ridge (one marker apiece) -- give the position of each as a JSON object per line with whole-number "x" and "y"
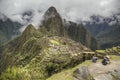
{"x": 42, "y": 52}
{"x": 55, "y": 25}
{"x": 8, "y": 29}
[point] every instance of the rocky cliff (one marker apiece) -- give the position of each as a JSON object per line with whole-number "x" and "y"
{"x": 80, "y": 34}
{"x": 53, "y": 24}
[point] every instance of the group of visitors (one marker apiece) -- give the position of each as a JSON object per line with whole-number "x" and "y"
{"x": 105, "y": 61}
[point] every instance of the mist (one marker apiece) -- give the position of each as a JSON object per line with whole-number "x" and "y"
{"x": 75, "y": 10}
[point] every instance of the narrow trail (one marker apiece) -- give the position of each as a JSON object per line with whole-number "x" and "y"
{"x": 97, "y": 69}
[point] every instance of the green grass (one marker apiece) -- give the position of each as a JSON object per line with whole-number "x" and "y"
{"x": 114, "y": 57}
{"x": 15, "y": 73}
{"x": 100, "y": 51}
{"x": 67, "y": 74}
{"x": 114, "y": 48}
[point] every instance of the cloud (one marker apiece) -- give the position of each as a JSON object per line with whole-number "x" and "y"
{"x": 73, "y": 10}
{"x": 3, "y": 17}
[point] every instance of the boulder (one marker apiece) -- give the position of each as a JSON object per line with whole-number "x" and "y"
{"x": 110, "y": 75}
{"x": 82, "y": 74}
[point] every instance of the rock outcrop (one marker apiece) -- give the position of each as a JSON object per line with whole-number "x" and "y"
{"x": 82, "y": 74}
{"x": 111, "y": 75}
{"x": 80, "y": 34}
{"x": 53, "y": 22}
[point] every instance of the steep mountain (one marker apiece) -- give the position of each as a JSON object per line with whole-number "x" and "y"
{"x": 54, "y": 25}
{"x": 80, "y": 34}
{"x": 8, "y": 30}
{"x": 38, "y": 56}
{"x": 53, "y": 22}
{"x": 107, "y": 35}
{"x": 39, "y": 53}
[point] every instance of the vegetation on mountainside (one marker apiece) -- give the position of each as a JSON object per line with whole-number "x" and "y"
{"x": 2, "y": 38}
{"x": 67, "y": 74}
{"x": 38, "y": 54}
{"x": 111, "y": 51}
{"x": 106, "y": 35}
{"x": 110, "y": 37}
{"x": 41, "y": 55}
{"x": 34, "y": 72}
{"x": 15, "y": 73}
{"x": 80, "y": 34}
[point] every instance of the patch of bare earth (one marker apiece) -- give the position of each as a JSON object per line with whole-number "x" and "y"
{"x": 97, "y": 69}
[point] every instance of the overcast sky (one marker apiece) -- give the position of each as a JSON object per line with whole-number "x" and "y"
{"x": 73, "y": 10}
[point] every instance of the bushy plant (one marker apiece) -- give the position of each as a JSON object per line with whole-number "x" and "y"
{"x": 14, "y": 73}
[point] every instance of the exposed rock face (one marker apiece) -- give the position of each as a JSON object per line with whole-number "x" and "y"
{"x": 111, "y": 75}
{"x": 53, "y": 22}
{"x": 55, "y": 26}
{"x": 82, "y": 74}
{"x": 80, "y": 34}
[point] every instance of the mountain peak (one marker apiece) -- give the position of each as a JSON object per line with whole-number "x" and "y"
{"x": 51, "y": 12}
{"x": 52, "y": 9}
{"x": 53, "y": 22}
{"x": 30, "y": 31}
{"x": 29, "y": 28}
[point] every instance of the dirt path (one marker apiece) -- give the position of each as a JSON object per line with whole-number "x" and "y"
{"x": 97, "y": 68}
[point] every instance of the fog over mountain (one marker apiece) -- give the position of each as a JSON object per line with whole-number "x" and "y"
{"x": 59, "y": 40}
{"x": 31, "y": 11}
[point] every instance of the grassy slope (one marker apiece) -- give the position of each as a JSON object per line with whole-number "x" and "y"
{"x": 111, "y": 51}
{"x": 67, "y": 74}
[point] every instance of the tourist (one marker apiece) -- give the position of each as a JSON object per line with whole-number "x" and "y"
{"x": 94, "y": 59}
{"x": 106, "y": 60}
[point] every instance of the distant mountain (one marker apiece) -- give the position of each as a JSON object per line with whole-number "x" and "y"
{"x": 8, "y": 30}
{"x": 110, "y": 37}
{"x": 107, "y": 34}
